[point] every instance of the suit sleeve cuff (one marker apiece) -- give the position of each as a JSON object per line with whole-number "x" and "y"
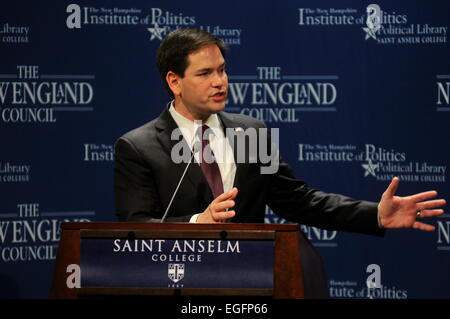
{"x": 379, "y": 220}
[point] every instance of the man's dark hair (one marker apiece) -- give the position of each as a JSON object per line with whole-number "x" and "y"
{"x": 172, "y": 55}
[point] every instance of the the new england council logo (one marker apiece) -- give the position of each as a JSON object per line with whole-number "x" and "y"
{"x": 271, "y": 96}
{"x": 32, "y": 95}
{"x": 176, "y": 272}
{"x": 318, "y": 237}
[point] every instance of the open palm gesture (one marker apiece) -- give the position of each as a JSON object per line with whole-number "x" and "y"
{"x": 402, "y": 212}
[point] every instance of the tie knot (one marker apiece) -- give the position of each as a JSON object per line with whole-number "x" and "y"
{"x": 204, "y": 132}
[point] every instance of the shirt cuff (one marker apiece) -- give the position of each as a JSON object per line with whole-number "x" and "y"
{"x": 194, "y": 218}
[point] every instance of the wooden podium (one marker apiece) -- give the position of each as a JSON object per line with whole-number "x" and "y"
{"x": 287, "y": 269}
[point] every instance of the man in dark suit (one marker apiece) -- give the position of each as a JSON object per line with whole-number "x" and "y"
{"x": 192, "y": 67}
{"x": 229, "y": 180}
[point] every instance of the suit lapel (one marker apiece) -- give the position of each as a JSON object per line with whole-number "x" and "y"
{"x": 165, "y": 126}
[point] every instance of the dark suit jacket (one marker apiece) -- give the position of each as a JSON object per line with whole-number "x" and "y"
{"x": 146, "y": 177}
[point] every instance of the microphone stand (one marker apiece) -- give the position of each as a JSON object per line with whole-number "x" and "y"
{"x": 195, "y": 149}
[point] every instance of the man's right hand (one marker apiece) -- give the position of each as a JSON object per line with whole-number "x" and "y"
{"x": 217, "y": 211}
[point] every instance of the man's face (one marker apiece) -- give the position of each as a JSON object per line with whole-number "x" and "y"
{"x": 203, "y": 89}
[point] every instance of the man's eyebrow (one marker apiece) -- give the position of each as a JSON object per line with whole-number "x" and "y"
{"x": 209, "y": 69}
{"x": 204, "y": 70}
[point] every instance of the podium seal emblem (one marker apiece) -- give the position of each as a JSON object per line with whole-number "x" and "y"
{"x": 176, "y": 272}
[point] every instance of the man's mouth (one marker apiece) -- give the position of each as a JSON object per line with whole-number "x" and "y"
{"x": 219, "y": 96}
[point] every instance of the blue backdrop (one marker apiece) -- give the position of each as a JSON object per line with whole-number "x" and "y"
{"x": 356, "y": 101}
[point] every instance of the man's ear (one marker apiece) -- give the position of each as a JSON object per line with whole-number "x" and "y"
{"x": 173, "y": 81}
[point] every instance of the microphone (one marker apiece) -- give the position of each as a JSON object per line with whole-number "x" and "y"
{"x": 195, "y": 148}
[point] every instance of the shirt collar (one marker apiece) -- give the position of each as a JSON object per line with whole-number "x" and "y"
{"x": 189, "y": 127}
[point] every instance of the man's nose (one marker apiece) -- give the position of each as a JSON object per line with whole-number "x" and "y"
{"x": 219, "y": 80}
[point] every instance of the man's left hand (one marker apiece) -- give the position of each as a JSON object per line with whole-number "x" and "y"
{"x": 402, "y": 212}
